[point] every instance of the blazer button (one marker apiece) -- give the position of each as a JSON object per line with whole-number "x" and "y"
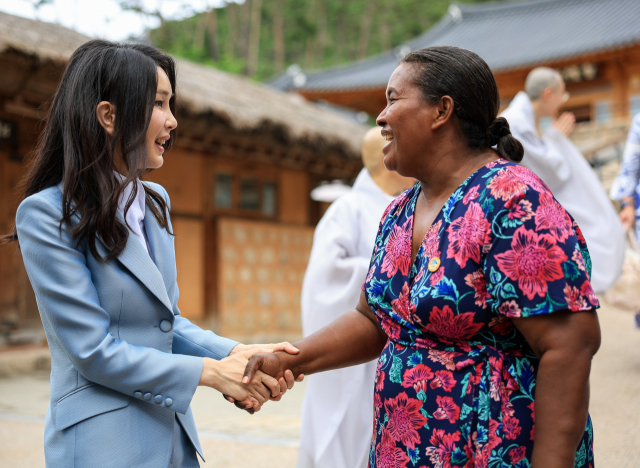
{"x": 158, "y": 399}
{"x": 168, "y": 402}
{"x": 137, "y": 394}
{"x": 147, "y": 396}
{"x": 165, "y": 326}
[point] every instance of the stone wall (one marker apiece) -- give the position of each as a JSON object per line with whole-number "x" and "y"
{"x": 261, "y": 267}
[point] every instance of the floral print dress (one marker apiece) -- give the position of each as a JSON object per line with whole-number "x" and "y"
{"x": 455, "y": 385}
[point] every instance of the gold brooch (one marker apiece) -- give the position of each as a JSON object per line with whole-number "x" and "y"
{"x": 434, "y": 264}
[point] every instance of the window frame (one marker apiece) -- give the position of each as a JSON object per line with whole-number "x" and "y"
{"x": 237, "y": 176}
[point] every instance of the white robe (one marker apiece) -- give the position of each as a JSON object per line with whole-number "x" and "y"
{"x": 575, "y": 185}
{"x": 337, "y": 412}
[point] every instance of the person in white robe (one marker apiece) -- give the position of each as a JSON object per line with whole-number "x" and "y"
{"x": 337, "y": 412}
{"x": 555, "y": 159}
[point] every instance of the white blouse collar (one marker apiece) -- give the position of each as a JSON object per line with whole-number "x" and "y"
{"x": 135, "y": 215}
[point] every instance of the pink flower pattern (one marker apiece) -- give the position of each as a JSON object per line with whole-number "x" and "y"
{"x": 472, "y": 194}
{"x": 467, "y": 235}
{"x": 455, "y": 384}
{"x": 398, "y": 250}
{"x": 533, "y": 261}
{"x": 403, "y": 306}
{"x": 479, "y": 284}
{"x": 519, "y": 208}
{"x": 437, "y": 276}
{"x": 430, "y": 244}
{"x": 417, "y": 377}
{"x": 405, "y": 419}
{"x": 550, "y": 215}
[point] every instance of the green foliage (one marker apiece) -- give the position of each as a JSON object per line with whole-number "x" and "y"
{"x": 316, "y": 33}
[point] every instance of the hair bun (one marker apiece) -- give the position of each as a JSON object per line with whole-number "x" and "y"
{"x": 497, "y": 130}
{"x": 504, "y": 131}
{"x": 499, "y": 134}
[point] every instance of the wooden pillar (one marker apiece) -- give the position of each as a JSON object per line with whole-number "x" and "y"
{"x": 620, "y": 84}
{"x": 17, "y": 301}
{"x": 294, "y": 197}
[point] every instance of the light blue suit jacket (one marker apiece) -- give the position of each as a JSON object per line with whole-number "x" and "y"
{"x": 124, "y": 362}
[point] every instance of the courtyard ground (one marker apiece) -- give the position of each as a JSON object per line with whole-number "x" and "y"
{"x": 269, "y": 439}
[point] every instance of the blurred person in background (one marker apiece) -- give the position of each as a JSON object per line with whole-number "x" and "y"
{"x": 626, "y": 187}
{"x": 553, "y": 157}
{"x": 337, "y": 413}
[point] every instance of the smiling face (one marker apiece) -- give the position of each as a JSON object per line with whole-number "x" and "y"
{"x": 406, "y": 122}
{"x": 161, "y": 123}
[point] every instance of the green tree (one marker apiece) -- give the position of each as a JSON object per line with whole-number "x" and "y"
{"x": 260, "y": 38}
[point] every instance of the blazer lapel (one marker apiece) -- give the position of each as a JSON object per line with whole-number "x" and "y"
{"x": 160, "y": 243}
{"x": 137, "y": 260}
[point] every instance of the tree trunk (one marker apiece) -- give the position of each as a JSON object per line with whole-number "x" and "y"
{"x": 310, "y": 46}
{"x": 340, "y": 40}
{"x": 232, "y": 23}
{"x": 254, "y": 37}
{"x": 365, "y": 29}
{"x": 278, "y": 36}
{"x": 245, "y": 20}
{"x": 321, "y": 34}
{"x": 212, "y": 30}
{"x": 385, "y": 41}
{"x": 198, "y": 39}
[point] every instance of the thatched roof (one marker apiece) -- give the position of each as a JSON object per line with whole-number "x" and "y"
{"x": 245, "y": 105}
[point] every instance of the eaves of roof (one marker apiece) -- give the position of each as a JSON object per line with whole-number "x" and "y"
{"x": 244, "y": 104}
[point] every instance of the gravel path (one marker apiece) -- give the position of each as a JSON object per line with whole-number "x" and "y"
{"x": 234, "y": 439}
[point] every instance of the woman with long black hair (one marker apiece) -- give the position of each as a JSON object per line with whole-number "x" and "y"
{"x": 98, "y": 247}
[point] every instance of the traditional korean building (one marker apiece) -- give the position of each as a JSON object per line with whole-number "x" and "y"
{"x": 595, "y": 44}
{"x": 239, "y": 177}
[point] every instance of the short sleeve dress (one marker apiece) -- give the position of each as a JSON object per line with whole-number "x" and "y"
{"x": 455, "y": 385}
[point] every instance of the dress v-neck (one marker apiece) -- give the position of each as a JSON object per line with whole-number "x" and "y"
{"x": 411, "y": 214}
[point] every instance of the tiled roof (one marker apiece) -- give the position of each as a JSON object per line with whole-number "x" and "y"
{"x": 508, "y": 35}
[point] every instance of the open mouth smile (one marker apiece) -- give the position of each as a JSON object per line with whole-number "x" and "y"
{"x": 160, "y": 142}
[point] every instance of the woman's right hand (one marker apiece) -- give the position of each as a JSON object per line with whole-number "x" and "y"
{"x": 226, "y": 375}
{"x": 627, "y": 216}
{"x": 268, "y": 363}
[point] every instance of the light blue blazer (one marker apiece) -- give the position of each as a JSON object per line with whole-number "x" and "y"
{"x": 124, "y": 362}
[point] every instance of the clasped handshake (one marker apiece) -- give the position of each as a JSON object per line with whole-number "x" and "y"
{"x": 252, "y": 374}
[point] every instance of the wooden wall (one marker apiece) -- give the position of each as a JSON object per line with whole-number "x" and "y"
{"x": 17, "y": 301}
{"x": 189, "y": 178}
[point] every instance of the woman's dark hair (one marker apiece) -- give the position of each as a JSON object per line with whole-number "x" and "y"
{"x": 76, "y": 150}
{"x": 467, "y": 79}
